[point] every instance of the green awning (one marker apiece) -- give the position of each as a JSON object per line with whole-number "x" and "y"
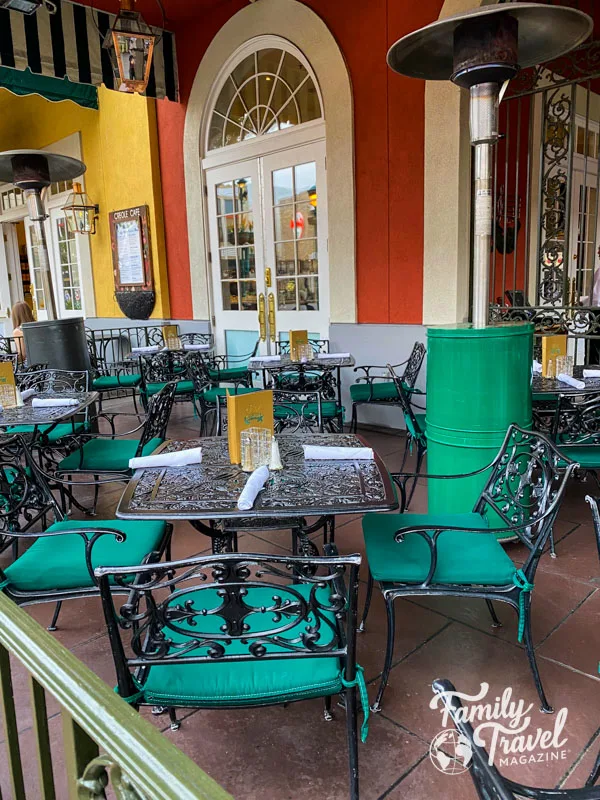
{"x": 24, "y": 82}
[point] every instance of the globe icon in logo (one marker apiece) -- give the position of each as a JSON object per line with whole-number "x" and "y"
{"x": 451, "y": 752}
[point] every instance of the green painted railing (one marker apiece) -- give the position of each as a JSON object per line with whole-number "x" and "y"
{"x": 105, "y": 742}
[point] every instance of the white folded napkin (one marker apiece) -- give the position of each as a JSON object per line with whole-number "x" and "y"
{"x": 537, "y": 367}
{"x": 196, "y": 347}
{"x": 317, "y": 452}
{"x": 268, "y": 358}
{"x": 153, "y": 348}
{"x": 48, "y": 402}
{"x": 591, "y": 373}
{"x": 27, "y": 393}
{"x": 254, "y": 484}
{"x": 571, "y": 381}
{"x": 332, "y": 355}
{"x": 179, "y": 459}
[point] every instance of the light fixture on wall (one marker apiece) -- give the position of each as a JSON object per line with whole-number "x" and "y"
{"x": 81, "y": 214}
{"x": 132, "y": 42}
{"x": 312, "y": 196}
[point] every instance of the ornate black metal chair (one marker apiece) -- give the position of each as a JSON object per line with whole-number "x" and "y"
{"x": 282, "y": 347}
{"x": 113, "y": 379}
{"x": 109, "y": 454}
{"x": 234, "y": 631}
{"x": 416, "y": 429}
{"x": 231, "y": 369}
{"x": 22, "y": 377}
{"x": 488, "y": 781}
{"x": 204, "y": 339}
{"x": 459, "y": 555}
{"x": 166, "y": 367}
{"x": 576, "y": 431}
{"x": 379, "y": 388}
{"x": 206, "y": 394}
{"x": 60, "y": 563}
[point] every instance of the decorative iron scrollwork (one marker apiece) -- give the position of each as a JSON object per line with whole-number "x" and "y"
{"x": 97, "y": 776}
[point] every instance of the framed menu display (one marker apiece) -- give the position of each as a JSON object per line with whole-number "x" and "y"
{"x": 132, "y": 257}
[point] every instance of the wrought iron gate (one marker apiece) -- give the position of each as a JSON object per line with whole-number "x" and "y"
{"x": 544, "y": 264}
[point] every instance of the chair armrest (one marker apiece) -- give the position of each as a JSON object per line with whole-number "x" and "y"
{"x": 587, "y": 793}
{"x": 368, "y": 367}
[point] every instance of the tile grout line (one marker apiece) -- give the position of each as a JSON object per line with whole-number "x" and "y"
{"x": 578, "y": 760}
{"x": 569, "y": 615}
{"x": 402, "y": 777}
{"x": 411, "y": 652}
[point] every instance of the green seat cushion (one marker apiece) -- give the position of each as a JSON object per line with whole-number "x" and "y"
{"x": 210, "y": 395}
{"x": 107, "y": 382}
{"x": 231, "y": 374}
{"x": 586, "y": 455}
{"x": 58, "y": 562}
{"x": 463, "y": 557}
{"x": 379, "y": 390}
{"x": 253, "y": 682}
{"x": 58, "y": 432}
{"x": 329, "y": 409}
{"x": 106, "y": 455}
{"x": 183, "y": 387}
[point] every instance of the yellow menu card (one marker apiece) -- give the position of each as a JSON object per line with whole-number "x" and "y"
{"x": 296, "y": 338}
{"x": 552, "y": 347}
{"x": 254, "y": 410}
{"x": 8, "y": 387}
{"x": 171, "y": 337}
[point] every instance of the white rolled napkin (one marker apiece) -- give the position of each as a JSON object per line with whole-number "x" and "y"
{"x": 196, "y": 347}
{"x": 254, "y": 484}
{"x": 537, "y": 367}
{"x": 315, "y": 452}
{"x": 153, "y": 348}
{"x": 181, "y": 458}
{"x": 49, "y": 402}
{"x": 571, "y": 381}
{"x": 591, "y": 373}
{"x": 332, "y": 355}
{"x": 27, "y": 393}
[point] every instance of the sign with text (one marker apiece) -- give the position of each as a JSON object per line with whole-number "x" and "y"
{"x": 132, "y": 257}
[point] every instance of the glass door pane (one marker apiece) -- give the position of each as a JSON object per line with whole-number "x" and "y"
{"x": 67, "y": 273}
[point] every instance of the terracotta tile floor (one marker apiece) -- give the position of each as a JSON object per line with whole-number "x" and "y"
{"x": 292, "y": 752}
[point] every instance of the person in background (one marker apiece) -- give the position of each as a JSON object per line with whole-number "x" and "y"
{"x": 20, "y": 313}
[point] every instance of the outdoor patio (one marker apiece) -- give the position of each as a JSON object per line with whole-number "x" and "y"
{"x": 290, "y": 752}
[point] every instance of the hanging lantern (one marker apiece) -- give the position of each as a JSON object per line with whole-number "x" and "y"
{"x": 133, "y": 42}
{"x": 81, "y": 214}
{"x": 312, "y": 196}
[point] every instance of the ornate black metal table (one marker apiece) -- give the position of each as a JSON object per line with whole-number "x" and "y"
{"x": 323, "y": 363}
{"x": 49, "y": 415}
{"x": 553, "y": 386}
{"x": 210, "y": 490}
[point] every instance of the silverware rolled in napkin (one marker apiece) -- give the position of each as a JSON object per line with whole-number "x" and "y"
{"x": 571, "y": 381}
{"x": 27, "y": 393}
{"x": 50, "y": 402}
{"x": 537, "y": 367}
{"x": 254, "y": 484}
{"x": 591, "y": 373}
{"x": 153, "y": 348}
{"x": 332, "y": 355}
{"x": 180, "y": 458}
{"x": 320, "y": 453}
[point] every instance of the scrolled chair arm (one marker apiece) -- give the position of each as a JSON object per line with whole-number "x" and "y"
{"x": 368, "y": 367}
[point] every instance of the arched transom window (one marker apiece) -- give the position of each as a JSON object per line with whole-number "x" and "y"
{"x": 271, "y": 89}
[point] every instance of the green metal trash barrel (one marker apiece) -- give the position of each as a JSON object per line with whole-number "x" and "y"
{"x": 478, "y": 383}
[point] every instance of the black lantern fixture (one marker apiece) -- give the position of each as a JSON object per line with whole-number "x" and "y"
{"x": 81, "y": 214}
{"x": 133, "y": 41}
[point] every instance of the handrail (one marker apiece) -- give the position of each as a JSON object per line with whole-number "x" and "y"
{"x": 94, "y": 719}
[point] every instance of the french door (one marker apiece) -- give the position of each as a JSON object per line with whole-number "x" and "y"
{"x": 268, "y": 248}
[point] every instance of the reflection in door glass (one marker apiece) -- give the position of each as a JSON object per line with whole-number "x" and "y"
{"x": 40, "y": 301}
{"x": 69, "y": 266}
{"x": 295, "y": 203}
{"x": 235, "y": 226}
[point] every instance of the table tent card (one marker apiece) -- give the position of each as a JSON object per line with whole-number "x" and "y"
{"x": 254, "y": 410}
{"x": 171, "y": 337}
{"x": 552, "y": 348}
{"x": 8, "y": 386}
{"x": 297, "y": 338}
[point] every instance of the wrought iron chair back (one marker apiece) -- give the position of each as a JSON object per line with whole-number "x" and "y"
{"x": 197, "y": 338}
{"x": 297, "y": 411}
{"x": 203, "y": 601}
{"x": 412, "y": 423}
{"x": 158, "y": 414}
{"x": 282, "y": 347}
{"x": 576, "y": 421}
{"x": 164, "y": 367}
{"x": 55, "y": 381}
{"x": 197, "y": 369}
{"x": 414, "y": 364}
{"x": 22, "y": 376}
{"x": 488, "y": 781}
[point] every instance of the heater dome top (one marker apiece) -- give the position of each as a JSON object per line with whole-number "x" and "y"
{"x": 60, "y": 168}
{"x": 545, "y": 33}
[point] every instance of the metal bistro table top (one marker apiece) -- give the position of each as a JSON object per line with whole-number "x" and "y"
{"x": 324, "y": 361}
{"x": 210, "y": 490}
{"x": 541, "y": 385}
{"x": 27, "y": 415}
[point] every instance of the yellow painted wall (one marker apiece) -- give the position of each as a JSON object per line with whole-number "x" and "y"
{"x": 120, "y": 148}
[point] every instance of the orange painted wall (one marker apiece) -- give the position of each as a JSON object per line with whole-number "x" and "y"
{"x": 389, "y": 146}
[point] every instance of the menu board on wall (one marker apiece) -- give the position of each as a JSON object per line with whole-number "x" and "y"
{"x": 132, "y": 264}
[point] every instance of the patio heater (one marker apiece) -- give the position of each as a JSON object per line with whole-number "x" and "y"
{"x": 479, "y": 376}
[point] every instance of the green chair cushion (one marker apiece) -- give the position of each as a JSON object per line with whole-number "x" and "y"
{"x": 329, "y": 409}
{"x": 183, "y": 387}
{"x": 463, "y": 557}
{"x": 380, "y": 390}
{"x": 106, "y": 383}
{"x": 210, "y": 395}
{"x": 253, "y": 682}
{"x": 229, "y": 374}
{"x": 59, "y": 432}
{"x": 58, "y": 562}
{"x": 106, "y": 455}
{"x": 586, "y": 455}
